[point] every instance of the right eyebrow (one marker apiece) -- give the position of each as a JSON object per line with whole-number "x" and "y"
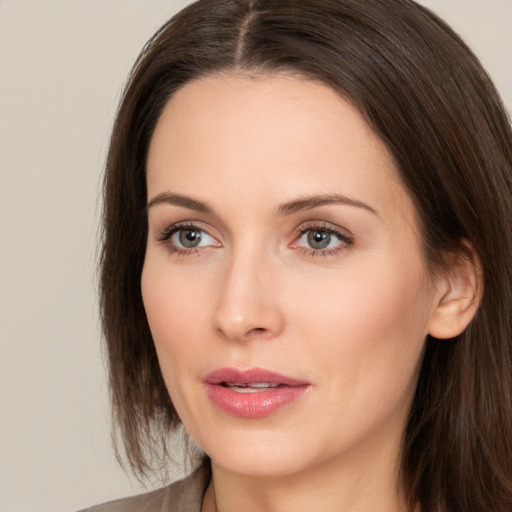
{"x": 179, "y": 200}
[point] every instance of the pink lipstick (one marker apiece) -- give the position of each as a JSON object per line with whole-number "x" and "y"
{"x": 253, "y": 393}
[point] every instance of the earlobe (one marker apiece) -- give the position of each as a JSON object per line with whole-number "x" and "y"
{"x": 460, "y": 288}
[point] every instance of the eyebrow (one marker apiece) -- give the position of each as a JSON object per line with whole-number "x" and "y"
{"x": 179, "y": 200}
{"x": 288, "y": 208}
{"x": 308, "y": 203}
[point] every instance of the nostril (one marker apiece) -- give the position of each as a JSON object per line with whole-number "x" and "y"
{"x": 258, "y": 332}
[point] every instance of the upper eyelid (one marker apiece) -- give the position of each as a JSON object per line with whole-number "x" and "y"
{"x": 325, "y": 225}
{"x": 163, "y": 213}
{"x": 343, "y": 236}
{"x": 212, "y": 232}
{"x": 186, "y": 224}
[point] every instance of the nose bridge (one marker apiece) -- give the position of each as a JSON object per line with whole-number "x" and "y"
{"x": 247, "y": 304}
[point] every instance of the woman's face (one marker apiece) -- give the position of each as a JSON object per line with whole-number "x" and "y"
{"x": 283, "y": 282}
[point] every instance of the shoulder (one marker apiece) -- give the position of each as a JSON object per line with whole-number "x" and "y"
{"x": 183, "y": 496}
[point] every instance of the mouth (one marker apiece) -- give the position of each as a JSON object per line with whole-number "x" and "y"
{"x": 252, "y": 393}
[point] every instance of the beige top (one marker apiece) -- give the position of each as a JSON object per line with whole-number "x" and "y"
{"x": 183, "y": 496}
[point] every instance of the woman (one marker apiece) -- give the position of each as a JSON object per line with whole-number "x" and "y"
{"x": 306, "y": 261}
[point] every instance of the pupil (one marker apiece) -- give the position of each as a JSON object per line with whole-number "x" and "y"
{"x": 319, "y": 239}
{"x": 190, "y": 238}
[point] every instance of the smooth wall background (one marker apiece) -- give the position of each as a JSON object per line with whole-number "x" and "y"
{"x": 62, "y": 66}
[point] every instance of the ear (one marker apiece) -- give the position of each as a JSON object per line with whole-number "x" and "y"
{"x": 460, "y": 287}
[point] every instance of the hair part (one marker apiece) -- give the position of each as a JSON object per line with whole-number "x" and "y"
{"x": 427, "y": 97}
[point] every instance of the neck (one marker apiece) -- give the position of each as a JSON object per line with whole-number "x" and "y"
{"x": 351, "y": 483}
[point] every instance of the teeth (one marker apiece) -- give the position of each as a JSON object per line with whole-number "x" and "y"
{"x": 253, "y": 387}
{"x": 247, "y": 389}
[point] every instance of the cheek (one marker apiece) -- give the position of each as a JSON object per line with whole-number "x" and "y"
{"x": 382, "y": 296}
{"x": 369, "y": 330}
{"x": 174, "y": 310}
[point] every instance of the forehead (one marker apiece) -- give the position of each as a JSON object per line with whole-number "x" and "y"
{"x": 277, "y": 135}
{"x": 246, "y": 110}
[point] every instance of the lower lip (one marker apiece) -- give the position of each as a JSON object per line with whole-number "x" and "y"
{"x": 254, "y": 405}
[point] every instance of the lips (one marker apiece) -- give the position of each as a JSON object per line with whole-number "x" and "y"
{"x": 252, "y": 393}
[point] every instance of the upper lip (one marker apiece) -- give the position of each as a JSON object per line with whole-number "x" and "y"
{"x": 251, "y": 376}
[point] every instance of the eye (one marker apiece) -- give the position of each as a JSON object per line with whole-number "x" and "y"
{"x": 186, "y": 238}
{"x": 320, "y": 239}
{"x": 191, "y": 238}
{"x": 324, "y": 240}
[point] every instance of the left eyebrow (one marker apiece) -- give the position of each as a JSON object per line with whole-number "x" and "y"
{"x": 308, "y": 203}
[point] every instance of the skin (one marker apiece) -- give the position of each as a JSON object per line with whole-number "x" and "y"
{"x": 350, "y": 319}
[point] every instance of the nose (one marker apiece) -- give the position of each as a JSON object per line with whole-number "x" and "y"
{"x": 248, "y": 306}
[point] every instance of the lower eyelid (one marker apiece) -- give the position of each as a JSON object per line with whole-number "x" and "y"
{"x": 165, "y": 238}
{"x": 170, "y": 229}
{"x": 204, "y": 236}
{"x": 341, "y": 235}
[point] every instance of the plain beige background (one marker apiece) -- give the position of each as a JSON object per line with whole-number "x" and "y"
{"x": 62, "y": 65}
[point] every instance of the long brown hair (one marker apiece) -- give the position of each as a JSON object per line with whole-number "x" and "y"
{"x": 428, "y": 98}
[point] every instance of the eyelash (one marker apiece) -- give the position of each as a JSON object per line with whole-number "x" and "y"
{"x": 166, "y": 235}
{"x": 346, "y": 241}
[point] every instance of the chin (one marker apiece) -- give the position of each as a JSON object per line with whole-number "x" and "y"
{"x": 259, "y": 454}
{"x": 260, "y": 463}
{"x": 247, "y": 452}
